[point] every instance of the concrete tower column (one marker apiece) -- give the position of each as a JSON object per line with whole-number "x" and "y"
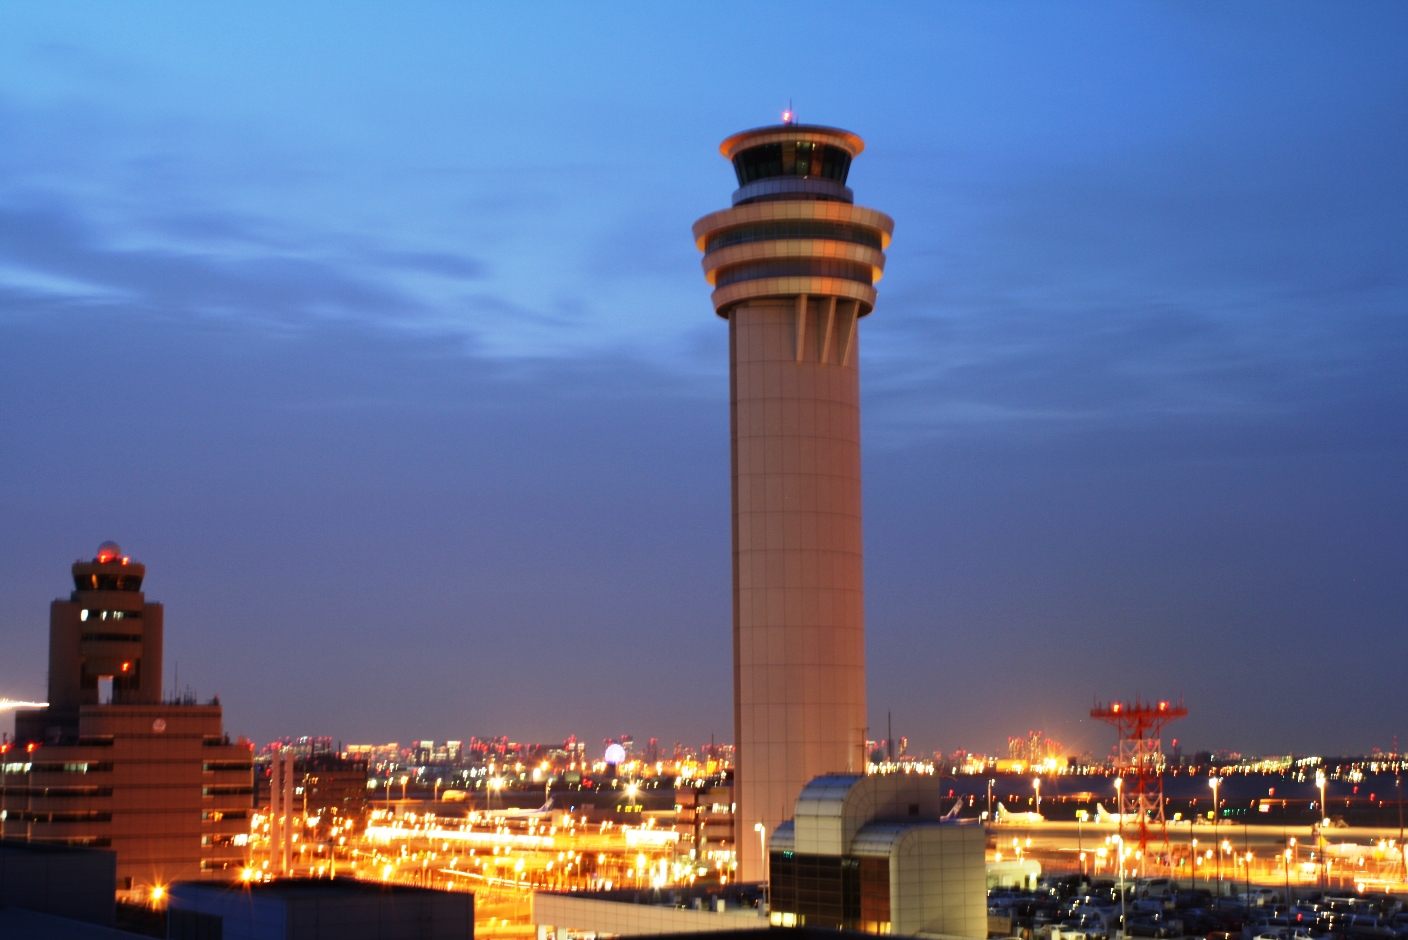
{"x": 794, "y": 264}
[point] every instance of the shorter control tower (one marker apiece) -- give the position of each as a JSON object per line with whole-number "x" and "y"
{"x": 109, "y": 763}
{"x": 104, "y": 641}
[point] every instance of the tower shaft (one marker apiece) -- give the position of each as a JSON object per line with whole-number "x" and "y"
{"x": 799, "y": 618}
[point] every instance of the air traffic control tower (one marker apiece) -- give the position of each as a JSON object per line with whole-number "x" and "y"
{"x": 793, "y": 265}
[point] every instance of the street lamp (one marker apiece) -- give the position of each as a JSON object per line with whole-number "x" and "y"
{"x": 1216, "y": 782}
{"x": 1036, "y": 784}
{"x": 1119, "y": 840}
{"x": 762, "y": 832}
{"x": 1320, "y": 842}
{"x": 1119, "y": 806}
{"x": 990, "y": 783}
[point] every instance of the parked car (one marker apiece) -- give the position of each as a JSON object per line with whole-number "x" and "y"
{"x": 1154, "y": 925}
{"x": 1092, "y": 925}
{"x": 1154, "y": 888}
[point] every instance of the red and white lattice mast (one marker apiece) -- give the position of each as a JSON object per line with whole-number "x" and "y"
{"x": 1141, "y": 762}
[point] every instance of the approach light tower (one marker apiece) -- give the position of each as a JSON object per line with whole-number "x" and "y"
{"x": 794, "y": 265}
{"x": 1140, "y": 725}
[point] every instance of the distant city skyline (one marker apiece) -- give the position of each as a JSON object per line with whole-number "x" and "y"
{"x": 381, "y": 341}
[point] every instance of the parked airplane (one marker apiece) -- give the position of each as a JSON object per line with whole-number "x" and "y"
{"x": 513, "y": 813}
{"x": 1004, "y": 817}
{"x": 952, "y": 814}
{"x": 1102, "y": 815}
{"x": 544, "y": 810}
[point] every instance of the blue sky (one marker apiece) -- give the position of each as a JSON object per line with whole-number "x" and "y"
{"x": 379, "y": 335}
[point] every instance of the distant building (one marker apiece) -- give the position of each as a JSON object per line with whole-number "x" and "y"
{"x": 329, "y": 791}
{"x": 303, "y": 746}
{"x": 317, "y": 909}
{"x": 704, "y": 817}
{"x": 873, "y": 853}
{"x": 377, "y": 756}
{"x": 110, "y": 764}
{"x": 1035, "y": 748}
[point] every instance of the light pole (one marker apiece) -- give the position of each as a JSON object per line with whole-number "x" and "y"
{"x": 1194, "y": 857}
{"x": 1402, "y": 852}
{"x": 1119, "y": 840}
{"x": 1036, "y": 785}
{"x": 1080, "y": 840}
{"x": 1320, "y": 826}
{"x": 4, "y": 811}
{"x": 1119, "y": 811}
{"x": 762, "y": 832}
{"x": 1216, "y": 782}
{"x": 990, "y": 783}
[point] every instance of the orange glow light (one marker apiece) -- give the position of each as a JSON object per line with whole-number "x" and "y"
{"x": 126, "y": 666}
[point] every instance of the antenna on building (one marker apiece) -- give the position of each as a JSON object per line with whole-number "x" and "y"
{"x": 789, "y": 116}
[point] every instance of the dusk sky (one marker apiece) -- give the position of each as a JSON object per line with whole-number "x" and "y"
{"x": 378, "y": 334}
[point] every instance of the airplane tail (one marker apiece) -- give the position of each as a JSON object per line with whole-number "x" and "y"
{"x": 1002, "y": 812}
{"x": 546, "y": 806}
{"x": 953, "y": 813}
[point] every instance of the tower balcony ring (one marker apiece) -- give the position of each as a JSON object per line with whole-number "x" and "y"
{"x": 809, "y": 210}
{"x": 825, "y": 249}
{"x": 785, "y": 287}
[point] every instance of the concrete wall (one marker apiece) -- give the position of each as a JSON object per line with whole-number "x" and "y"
{"x": 938, "y": 882}
{"x": 68, "y": 882}
{"x": 330, "y": 911}
{"x": 832, "y": 809}
{"x": 562, "y": 911}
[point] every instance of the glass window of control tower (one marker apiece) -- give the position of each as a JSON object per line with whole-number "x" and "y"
{"x": 793, "y": 158}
